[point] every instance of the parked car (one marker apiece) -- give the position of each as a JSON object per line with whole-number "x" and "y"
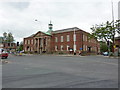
{"x": 105, "y": 53}
{"x": 3, "y": 53}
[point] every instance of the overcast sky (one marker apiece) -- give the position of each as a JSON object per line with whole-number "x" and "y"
{"x": 18, "y": 16}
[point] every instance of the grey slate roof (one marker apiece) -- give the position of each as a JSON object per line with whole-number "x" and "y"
{"x": 65, "y": 30}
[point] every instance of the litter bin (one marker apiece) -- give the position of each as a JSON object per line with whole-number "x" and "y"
{"x": 20, "y": 54}
{"x": 74, "y": 53}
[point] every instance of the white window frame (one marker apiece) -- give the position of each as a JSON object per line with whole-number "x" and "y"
{"x": 25, "y": 41}
{"x": 56, "y": 48}
{"x": 28, "y": 41}
{"x": 32, "y": 41}
{"x": 86, "y": 48}
{"x": 61, "y": 47}
{"x": 68, "y": 38}
{"x": 31, "y": 48}
{"x": 46, "y": 41}
{"x": 61, "y": 38}
{"x": 86, "y": 38}
{"x": 68, "y": 47}
{"x": 56, "y": 39}
{"x": 83, "y": 37}
{"x": 83, "y": 47}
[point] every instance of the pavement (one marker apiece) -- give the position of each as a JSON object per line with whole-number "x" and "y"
{"x": 50, "y": 71}
{"x": 69, "y": 55}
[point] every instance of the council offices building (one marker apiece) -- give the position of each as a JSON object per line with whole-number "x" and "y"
{"x": 62, "y": 40}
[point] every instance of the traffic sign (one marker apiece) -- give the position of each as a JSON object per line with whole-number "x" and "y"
{"x": 81, "y": 48}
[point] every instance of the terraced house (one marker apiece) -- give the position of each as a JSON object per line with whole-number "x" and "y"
{"x": 63, "y": 40}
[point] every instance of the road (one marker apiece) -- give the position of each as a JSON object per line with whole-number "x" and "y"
{"x": 49, "y": 71}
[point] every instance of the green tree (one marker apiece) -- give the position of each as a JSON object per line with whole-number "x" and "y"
{"x": 8, "y": 37}
{"x": 106, "y": 31}
{"x": 103, "y": 47}
{"x": 20, "y": 48}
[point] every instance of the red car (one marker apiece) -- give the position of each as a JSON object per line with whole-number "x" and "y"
{"x": 3, "y": 54}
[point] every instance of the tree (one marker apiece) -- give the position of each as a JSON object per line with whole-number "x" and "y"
{"x": 20, "y": 48}
{"x": 103, "y": 46}
{"x": 8, "y": 37}
{"x": 106, "y": 31}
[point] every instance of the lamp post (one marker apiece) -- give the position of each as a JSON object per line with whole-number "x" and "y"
{"x": 108, "y": 43}
{"x": 39, "y": 22}
{"x": 113, "y": 26}
{"x": 40, "y": 41}
{"x": 74, "y": 38}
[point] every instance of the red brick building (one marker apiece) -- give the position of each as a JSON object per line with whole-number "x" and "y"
{"x": 73, "y": 38}
{"x": 37, "y": 43}
{"x": 117, "y": 44}
{"x": 10, "y": 46}
{"x": 117, "y": 41}
{"x": 61, "y": 41}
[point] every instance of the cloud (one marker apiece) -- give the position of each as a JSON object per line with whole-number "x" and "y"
{"x": 18, "y": 16}
{"x": 18, "y": 5}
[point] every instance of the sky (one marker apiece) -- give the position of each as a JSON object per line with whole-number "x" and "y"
{"x": 18, "y": 16}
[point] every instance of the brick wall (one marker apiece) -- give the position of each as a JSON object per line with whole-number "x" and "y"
{"x": 28, "y": 44}
{"x": 81, "y": 41}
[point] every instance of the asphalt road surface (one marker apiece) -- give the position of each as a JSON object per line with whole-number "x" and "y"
{"x": 47, "y": 71}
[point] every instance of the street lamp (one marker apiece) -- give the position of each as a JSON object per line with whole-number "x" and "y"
{"x": 40, "y": 40}
{"x": 74, "y": 38}
{"x": 39, "y": 22}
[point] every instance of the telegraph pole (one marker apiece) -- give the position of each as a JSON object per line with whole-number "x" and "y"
{"x": 113, "y": 26}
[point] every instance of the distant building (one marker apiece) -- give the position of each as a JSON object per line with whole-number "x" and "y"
{"x": 117, "y": 46}
{"x": 7, "y": 46}
{"x": 117, "y": 41}
{"x": 1, "y": 42}
{"x": 61, "y": 41}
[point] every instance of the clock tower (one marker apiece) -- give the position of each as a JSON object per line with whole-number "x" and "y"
{"x": 50, "y": 28}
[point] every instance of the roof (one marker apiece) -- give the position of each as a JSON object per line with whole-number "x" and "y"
{"x": 49, "y": 32}
{"x": 42, "y": 32}
{"x": 117, "y": 37}
{"x": 66, "y": 30}
{"x": 31, "y": 36}
{"x": 37, "y": 33}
